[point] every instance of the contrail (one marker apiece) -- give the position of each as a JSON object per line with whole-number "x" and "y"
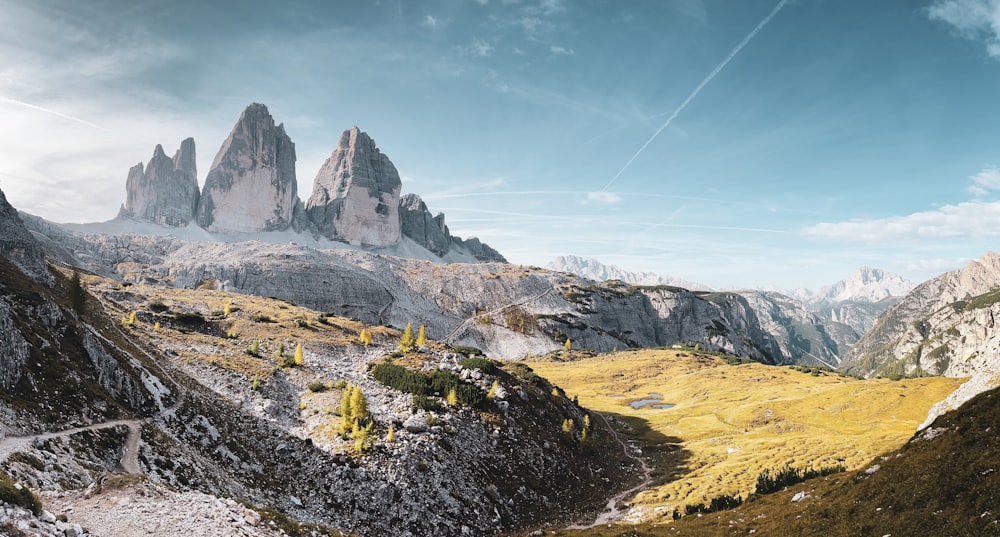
{"x": 53, "y": 112}
{"x": 718, "y": 69}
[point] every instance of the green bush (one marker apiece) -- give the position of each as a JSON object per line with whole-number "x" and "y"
{"x": 10, "y": 493}
{"x": 438, "y": 383}
{"x": 467, "y": 351}
{"x": 158, "y": 307}
{"x": 772, "y": 481}
{"x": 189, "y": 317}
{"x": 718, "y": 503}
{"x": 421, "y": 402}
{"x": 262, "y": 319}
{"x": 482, "y": 364}
{"x": 316, "y": 387}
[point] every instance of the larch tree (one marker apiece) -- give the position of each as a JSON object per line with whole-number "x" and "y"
{"x": 299, "y": 357}
{"x": 421, "y": 337}
{"x": 406, "y": 341}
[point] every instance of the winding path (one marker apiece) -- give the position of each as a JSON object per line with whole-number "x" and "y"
{"x": 611, "y": 512}
{"x": 130, "y": 460}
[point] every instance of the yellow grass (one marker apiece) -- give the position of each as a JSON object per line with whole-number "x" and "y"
{"x": 732, "y": 422}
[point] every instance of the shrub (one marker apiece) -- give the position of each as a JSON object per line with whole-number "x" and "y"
{"x": 718, "y": 503}
{"x": 15, "y": 494}
{"x": 262, "y": 319}
{"x": 439, "y": 382}
{"x": 421, "y": 402}
{"x": 467, "y": 351}
{"x": 772, "y": 481}
{"x": 482, "y": 364}
{"x": 316, "y": 387}
{"x": 254, "y": 349}
{"x": 189, "y": 317}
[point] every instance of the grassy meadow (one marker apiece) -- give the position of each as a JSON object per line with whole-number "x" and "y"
{"x": 731, "y": 422}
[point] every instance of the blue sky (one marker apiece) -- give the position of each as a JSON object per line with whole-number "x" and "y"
{"x": 841, "y": 133}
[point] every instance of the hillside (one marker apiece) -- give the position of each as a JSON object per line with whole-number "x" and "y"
{"x": 190, "y": 391}
{"x": 942, "y": 482}
{"x": 728, "y": 423}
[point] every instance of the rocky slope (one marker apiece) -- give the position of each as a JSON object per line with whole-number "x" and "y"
{"x": 593, "y": 269}
{"x": 942, "y": 327}
{"x": 228, "y": 423}
{"x": 166, "y": 191}
{"x": 506, "y": 310}
{"x": 17, "y": 244}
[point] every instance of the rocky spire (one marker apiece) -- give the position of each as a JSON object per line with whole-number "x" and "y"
{"x": 251, "y": 186}
{"x": 166, "y": 191}
{"x": 420, "y": 225}
{"x": 355, "y": 196}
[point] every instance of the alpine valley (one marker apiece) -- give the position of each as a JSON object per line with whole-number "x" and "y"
{"x": 230, "y": 359}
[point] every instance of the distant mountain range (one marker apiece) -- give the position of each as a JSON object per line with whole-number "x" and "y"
{"x": 865, "y": 285}
{"x": 593, "y": 269}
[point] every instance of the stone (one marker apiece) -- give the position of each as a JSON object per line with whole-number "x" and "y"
{"x": 47, "y": 517}
{"x": 355, "y": 195}
{"x": 416, "y": 424}
{"x": 251, "y": 517}
{"x": 251, "y": 185}
{"x": 166, "y": 191}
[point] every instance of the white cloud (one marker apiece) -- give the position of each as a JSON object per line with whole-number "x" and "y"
{"x": 430, "y": 22}
{"x": 977, "y": 20}
{"x": 604, "y": 197}
{"x": 478, "y": 47}
{"x": 561, "y": 51}
{"x": 988, "y": 179}
{"x": 971, "y": 219}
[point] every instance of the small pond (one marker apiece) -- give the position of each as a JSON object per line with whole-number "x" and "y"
{"x": 654, "y": 400}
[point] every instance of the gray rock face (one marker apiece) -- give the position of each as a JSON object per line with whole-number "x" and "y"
{"x": 804, "y": 337}
{"x": 945, "y": 326}
{"x": 166, "y": 191}
{"x": 418, "y": 224}
{"x": 355, "y": 196}
{"x": 251, "y": 186}
{"x": 13, "y": 348}
{"x": 479, "y": 250}
{"x": 19, "y": 246}
{"x": 593, "y": 269}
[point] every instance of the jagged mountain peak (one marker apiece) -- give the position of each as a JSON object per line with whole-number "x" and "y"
{"x": 866, "y": 284}
{"x": 593, "y": 269}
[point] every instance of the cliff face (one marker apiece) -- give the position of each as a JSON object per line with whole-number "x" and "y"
{"x": 355, "y": 195}
{"x": 18, "y": 245}
{"x": 945, "y": 326}
{"x": 251, "y": 186}
{"x": 166, "y": 191}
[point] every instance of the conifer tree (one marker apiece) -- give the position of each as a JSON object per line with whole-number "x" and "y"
{"x": 132, "y": 319}
{"x": 359, "y": 405}
{"x": 406, "y": 342}
{"x": 299, "y": 357}
{"x": 76, "y": 293}
{"x": 391, "y": 435}
{"x": 452, "y": 398}
{"x": 567, "y": 346}
{"x": 421, "y": 337}
{"x": 365, "y": 337}
{"x": 228, "y": 309}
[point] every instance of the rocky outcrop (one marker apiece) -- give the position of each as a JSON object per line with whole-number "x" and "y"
{"x": 417, "y": 223}
{"x": 18, "y": 245}
{"x": 166, "y": 191}
{"x": 945, "y": 326}
{"x": 355, "y": 196}
{"x": 251, "y": 186}
{"x": 479, "y": 250}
